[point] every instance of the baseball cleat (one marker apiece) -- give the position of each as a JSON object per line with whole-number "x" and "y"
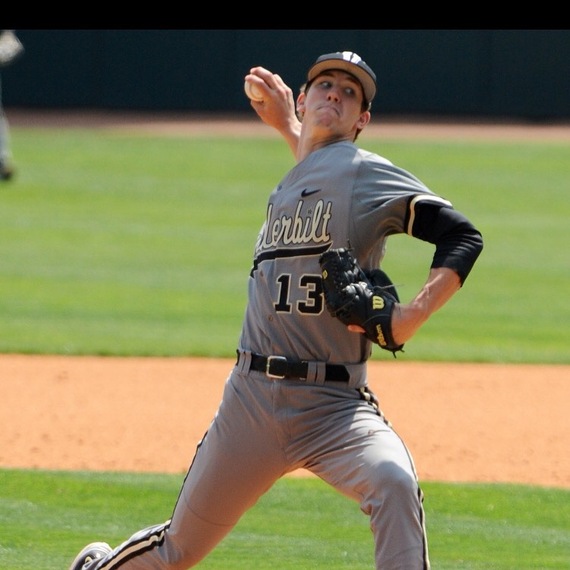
{"x": 91, "y": 552}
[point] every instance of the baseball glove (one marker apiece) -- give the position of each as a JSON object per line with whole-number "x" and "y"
{"x": 358, "y": 298}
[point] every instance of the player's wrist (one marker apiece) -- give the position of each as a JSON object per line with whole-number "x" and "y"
{"x": 407, "y": 319}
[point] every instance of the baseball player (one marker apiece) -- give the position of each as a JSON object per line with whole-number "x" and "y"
{"x": 298, "y": 395}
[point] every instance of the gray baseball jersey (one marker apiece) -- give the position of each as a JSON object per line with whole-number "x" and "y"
{"x": 339, "y": 195}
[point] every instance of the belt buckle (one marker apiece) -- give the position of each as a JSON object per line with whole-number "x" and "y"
{"x": 276, "y": 367}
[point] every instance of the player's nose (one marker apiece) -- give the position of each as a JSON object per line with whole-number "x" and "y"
{"x": 333, "y": 94}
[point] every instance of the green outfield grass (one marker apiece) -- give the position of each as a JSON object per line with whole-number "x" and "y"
{"x": 47, "y": 517}
{"x": 116, "y": 245}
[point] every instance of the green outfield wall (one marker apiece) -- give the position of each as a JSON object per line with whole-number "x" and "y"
{"x": 473, "y": 73}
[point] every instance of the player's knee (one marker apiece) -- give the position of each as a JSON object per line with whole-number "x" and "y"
{"x": 393, "y": 485}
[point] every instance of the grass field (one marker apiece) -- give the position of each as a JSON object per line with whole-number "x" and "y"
{"x": 117, "y": 244}
{"x": 46, "y": 517}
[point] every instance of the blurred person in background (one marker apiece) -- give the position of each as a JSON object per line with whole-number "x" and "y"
{"x": 10, "y": 50}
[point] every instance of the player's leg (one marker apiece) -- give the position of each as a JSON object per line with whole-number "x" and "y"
{"x": 236, "y": 462}
{"x": 368, "y": 462}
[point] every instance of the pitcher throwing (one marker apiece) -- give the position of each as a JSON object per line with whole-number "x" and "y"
{"x": 298, "y": 395}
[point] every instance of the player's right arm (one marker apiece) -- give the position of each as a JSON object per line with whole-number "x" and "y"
{"x": 278, "y": 106}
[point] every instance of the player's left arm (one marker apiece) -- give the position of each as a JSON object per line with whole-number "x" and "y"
{"x": 457, "y": 246}
{"x": 407, "y": 318}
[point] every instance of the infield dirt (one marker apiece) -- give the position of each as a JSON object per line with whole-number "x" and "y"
{"x": 462, "y": 422}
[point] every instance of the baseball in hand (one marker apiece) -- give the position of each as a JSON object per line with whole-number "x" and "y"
{"x": 253, "y": 91}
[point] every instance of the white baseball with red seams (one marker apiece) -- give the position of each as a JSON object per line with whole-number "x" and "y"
{"x": 253, "y": 91}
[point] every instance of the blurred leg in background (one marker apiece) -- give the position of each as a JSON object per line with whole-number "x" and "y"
{"x": 6, "y": 166}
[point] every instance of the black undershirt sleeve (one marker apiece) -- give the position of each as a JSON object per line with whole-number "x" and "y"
{"x": 457, "y": 242}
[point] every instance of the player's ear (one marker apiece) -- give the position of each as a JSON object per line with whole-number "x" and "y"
{"x": 301, "y": 105}
{"x": 363, "y": 120}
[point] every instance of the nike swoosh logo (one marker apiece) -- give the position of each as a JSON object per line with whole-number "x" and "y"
{"x": 306, "y": 192}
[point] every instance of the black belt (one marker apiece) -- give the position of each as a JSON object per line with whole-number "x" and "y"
{"x": 280, "y": 367}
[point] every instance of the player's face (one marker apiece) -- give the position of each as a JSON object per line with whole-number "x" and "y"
{"x": 333, "y": 104}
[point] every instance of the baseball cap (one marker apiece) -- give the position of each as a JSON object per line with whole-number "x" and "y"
{"x": 351, "y": 63}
